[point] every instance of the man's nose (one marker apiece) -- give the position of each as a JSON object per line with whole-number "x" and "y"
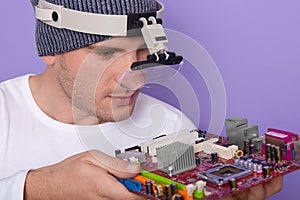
{"x": 127, "y": 59}
{"x": 126, "y": 77}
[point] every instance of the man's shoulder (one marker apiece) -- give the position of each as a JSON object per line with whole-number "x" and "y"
{"x": 17, "y": 83}
{"x": 13, "y": 92}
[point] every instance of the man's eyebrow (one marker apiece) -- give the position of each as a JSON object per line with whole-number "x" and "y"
{"x": 114, "y": 49}
{"x": 105, "y": 48}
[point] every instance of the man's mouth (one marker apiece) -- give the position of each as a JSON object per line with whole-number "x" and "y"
{"x": 123, "y": 99}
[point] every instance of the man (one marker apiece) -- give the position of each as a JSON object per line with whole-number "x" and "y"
{"x": 50, "y": 121}
{"x": 44, "y": 118}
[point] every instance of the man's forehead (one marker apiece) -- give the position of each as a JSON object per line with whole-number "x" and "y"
{"x": 122, "y": 42}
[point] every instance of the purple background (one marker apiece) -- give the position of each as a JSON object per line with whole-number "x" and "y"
{"x": 255, "y": 44}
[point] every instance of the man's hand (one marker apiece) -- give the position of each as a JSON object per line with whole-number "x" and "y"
{"x": 259, "y": 192}
{"x": 85, "y": 176}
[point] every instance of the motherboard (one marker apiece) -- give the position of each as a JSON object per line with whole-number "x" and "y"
{"x": 193, "y": 164}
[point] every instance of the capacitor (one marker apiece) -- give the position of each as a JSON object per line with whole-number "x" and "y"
{"x": 249, "y": 160}
{"x": 268, "y": 151}
{"x": 252, "y": 149}
{"x": 177, "y": 197}
{"x": 250, "y": 165}
{"x": 259, "y": 168}
{"x": 168, "y": 192}
{"x": 214, "y": 157}
{"x": 148, "y": 186}
{"x": 237, "y": 161}
{"x": 157, "y": 190}
{"x": 273, "y": 152}
{"x": 247, "y": 147}
{"x": 233, "y": 184}
{"x": 197, "y": 160}
{"x": 278, "y": 153}
{"x": 245, "y": 165}
{"x": 267, "y": 171}
{"x": 255, "y": 167}
{"x": 241, "y": 163}
{"x": 174, "y": 188}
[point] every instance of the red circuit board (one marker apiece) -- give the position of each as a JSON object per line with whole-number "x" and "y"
{"x": 212, "y": 190}
{"x": 190, "y": 177}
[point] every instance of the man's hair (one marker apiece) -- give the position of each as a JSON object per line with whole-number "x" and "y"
{"x": 51, "y": 40}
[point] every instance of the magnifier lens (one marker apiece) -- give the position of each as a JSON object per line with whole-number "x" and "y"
{"x": 136, "y": 79}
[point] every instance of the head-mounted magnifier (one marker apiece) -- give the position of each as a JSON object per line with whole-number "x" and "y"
{"x": 159, "y": 64}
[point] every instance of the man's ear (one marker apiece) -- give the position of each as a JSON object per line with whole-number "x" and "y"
{"x": 49, "y": 60}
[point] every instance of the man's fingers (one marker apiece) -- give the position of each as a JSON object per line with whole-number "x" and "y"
{"x": 228, "y": 197}
{"x": 273, "y": 186}
{"x": 115, "y": 166}
{"x": 257, "y": 192}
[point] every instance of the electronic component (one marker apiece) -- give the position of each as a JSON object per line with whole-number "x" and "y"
{"x": 208, "y": 147}
{"x": 239, "y": 153}
{"x": 185, "y": 136}
{"x": 285, "y": 140}
{"x": 197, "y": 160}
{"x": 214, "y": 157}
{"x": 277, "y": 154}
{"x": 201, "y": 146}
{"x": 131, "y": 184}
{"x": 238, "y": 130}
{"x": 247, "y": 147}
{"x": 157, "y": 190}
{"x": 267, "y": 171}
{"x": 168, "y": 191}
{"x": 176, "y": 158}
{"x": 252, "y": 149}
{"x": 149, "y": 190}
{"x": 268, "y": 151}
{"x": 233, "y": 184}
{"x": 222, "y": 174}
{"x": 199, "y": 191}
{"x": 257, "y": 142}
{"x": 297, "y": 150}
{"x": 140, "y": 156}
{"x": 174, "y": 188}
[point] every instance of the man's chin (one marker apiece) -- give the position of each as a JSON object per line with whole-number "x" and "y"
{"x": 119, "y": 113}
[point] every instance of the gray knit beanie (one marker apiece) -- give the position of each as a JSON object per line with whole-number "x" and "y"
{"x": 51, "y": 40}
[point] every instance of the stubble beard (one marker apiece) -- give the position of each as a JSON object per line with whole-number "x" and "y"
{"x": 84, "y": 101}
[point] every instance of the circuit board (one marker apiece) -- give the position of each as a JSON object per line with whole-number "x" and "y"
{"x": 211, "y": 177}
{"x": 213, "y": 191}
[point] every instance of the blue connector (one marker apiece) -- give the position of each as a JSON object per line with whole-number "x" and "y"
{"x": 131, "y": 184}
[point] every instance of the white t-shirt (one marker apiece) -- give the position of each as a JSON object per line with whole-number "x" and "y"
{"x": 30, "y": 139}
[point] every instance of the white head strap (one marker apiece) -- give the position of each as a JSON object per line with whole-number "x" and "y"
{"x": 91, "y": 23}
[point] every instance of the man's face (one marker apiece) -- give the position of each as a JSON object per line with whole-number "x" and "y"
{"x": 90, "y": 77}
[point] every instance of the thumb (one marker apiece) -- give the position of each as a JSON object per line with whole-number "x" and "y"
{"x": 115, "y": 166}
